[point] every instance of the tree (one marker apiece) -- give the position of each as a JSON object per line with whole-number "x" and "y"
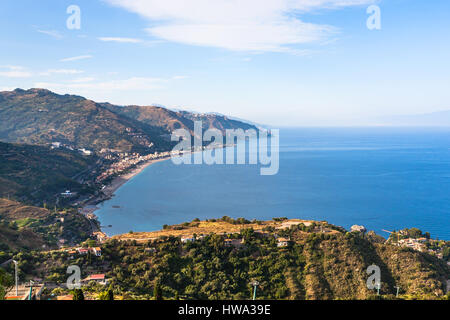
{"x": 6, "y": 283}
{"x": 78, "y": 295}
{"x": 157, "y": 292}
{"x": 107, "y": 295}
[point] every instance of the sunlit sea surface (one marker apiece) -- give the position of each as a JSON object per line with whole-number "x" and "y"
{"x": 382, "y": 178}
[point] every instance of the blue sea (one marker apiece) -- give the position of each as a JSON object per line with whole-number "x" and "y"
{"x": 382, "y": 178}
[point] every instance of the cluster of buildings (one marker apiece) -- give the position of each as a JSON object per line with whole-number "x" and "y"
{"x": 96, "y": 251}
{"x": 416, "y": 244}
{"x": 129, "y": 160}
{"x": 238, "y": 243}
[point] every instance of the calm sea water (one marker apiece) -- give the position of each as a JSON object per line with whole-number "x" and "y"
{"x": 380, "y": 178}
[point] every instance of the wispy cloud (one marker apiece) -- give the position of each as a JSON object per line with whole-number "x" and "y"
{"x": 61, "y": 71}
{"x": 135, "y": 83}
{"x": 7, "y": 89}
{"x": 52, "y": 33}
{"x": 83, "y": 80}
{"x": 14, "y": 72}
{"x": 251, "y": 25}
{"x": 120, "y": 40}
{"x": 76, "y": 58}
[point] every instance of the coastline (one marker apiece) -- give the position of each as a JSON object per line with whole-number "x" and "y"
{"x": 119, "y": 181}
{"x": 89, "y": 208}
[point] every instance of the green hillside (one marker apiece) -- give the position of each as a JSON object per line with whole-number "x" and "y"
{"x": 25, "y": 227}
{"x": 41, "y": 117}
{"x": 38, "y": 174}
{"x": 171, "y": 120}
{"x": 321, "y": 262}
{"x": 38, "y": 116}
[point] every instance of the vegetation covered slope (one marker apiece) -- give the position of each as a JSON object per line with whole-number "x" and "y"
{"x": 212, "y": 120}
{"x": 37, "y": 173}
{"x": 25, "y": 227}
{"x": 38, "y": 116}
{"x": 172, "y": 120}
{"x": 155, "y": 116}
{"x": 322, "y": 262}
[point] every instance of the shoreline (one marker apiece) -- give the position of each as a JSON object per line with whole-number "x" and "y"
{"x": 110, "y": 189}
{"x": 90, "y": 207}
{"x": 119, "y": 181}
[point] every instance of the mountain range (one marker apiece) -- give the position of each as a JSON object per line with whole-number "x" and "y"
{"x": 434, "y": 119}
{"x": 39, "y": 116}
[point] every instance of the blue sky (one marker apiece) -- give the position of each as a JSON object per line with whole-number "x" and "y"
{"x": 278, "y": 62}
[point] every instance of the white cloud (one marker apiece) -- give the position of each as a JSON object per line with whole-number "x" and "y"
{"x": 61, "y": 71}
{"x": 250, "y": 25}
{"x": 52, "y": 33}
{"x": 120, "y": 40}
{"x": 7, "y": 89}
{"x": 135, "y": 83}
{"x": 179, "y": 77}
{"x": 14, "y": 72}
{"x": 76, "y": 58}
{"x": 83, "y": 80}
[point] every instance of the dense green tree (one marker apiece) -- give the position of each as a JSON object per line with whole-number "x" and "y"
{"x": 107, "y": 295}
{"x": 157, "y": 292}
{"x": 6, "y": 283}
{"x": 78, "y": 295}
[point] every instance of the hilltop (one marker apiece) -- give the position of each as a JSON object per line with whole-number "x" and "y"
{"x": 320, "y": 261}
{"x": 433, "y": 119}
{"x": 39, "y": 116}
{"x": 172, "y": 120}
{"x": 218, "y": 259}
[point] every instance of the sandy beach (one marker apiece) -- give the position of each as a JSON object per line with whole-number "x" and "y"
{"x": 119, "y": 181}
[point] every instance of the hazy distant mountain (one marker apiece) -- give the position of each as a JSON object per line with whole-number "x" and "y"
{"x": 213, "y": 120}
{"x": 437, "y": 119}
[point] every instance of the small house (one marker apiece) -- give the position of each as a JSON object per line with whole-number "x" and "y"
{"x": 283, "y": 242}
{"x": 97, "y": 251}
{"x": 236, "y": 243}
{"x": 186, "y": 239}
{"x": 82, "y": 251}
{"x": 99, "y": 278}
